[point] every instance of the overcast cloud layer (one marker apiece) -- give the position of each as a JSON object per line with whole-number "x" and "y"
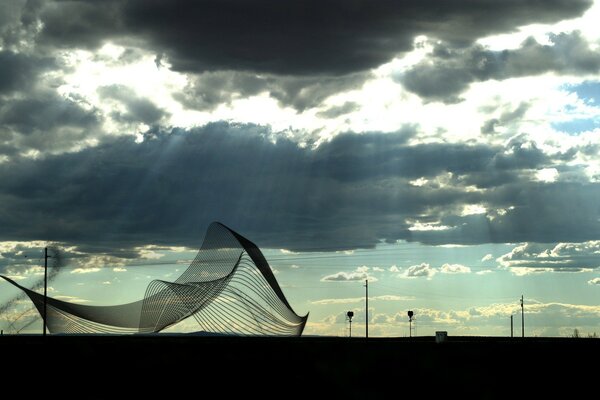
{"x": 108, "y": 164}
{"x": 350, "y": 192}
{"x": 298, "y": 37}
{"x": 300, "y": 52}
{"x": 450, "y": 70}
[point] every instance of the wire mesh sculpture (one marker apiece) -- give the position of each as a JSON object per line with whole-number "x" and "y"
{"x": 228, "y": 288}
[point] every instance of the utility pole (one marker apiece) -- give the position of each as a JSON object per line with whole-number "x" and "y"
{"x": 522, "y": 318}
{"x": 367, "y": 308}
{"x": 511, "y": 325}
{"x": 45, "y": 287}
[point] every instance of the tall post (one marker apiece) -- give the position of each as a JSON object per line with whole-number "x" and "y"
{"x": 511, "y": 325}
{"x": 522, "y": 318}
{"x": 350, "y": 328}
{"x": 367, "y": 308}
{"x": 45, "y": 286}
{"x": 410, "y": 327}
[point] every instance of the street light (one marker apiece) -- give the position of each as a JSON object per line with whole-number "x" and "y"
{"x": 349, "y": 316}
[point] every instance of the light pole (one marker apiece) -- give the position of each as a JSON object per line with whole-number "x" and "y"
{"x": 350, "y": 314}
{"x": 522, "y": 318}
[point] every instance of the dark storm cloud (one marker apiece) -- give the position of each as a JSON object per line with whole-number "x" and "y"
{"x": 332, "y": 37}
{"x": 138, "y": 109}
{"x": 350, "y": 192}
{"x": 19, "y": 72}
{"x": 299, "y": 52}
{"x": 350, "y": 158}
{"x": 307, "y": 92}
{"x": 209, "y": 90}
{"x": 506, "y": 118}
{"x": 337, "y": 111}
{"x": 81, "y": 23}
{"x": 42, "y": 120}
{"x": 449, "y": 70}
{"x": 562, "y": 211}
{"x": 18, "y": 22}
{"x": 44, "y": 112}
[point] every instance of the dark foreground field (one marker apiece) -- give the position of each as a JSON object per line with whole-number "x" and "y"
{"x": 222, "y": 367}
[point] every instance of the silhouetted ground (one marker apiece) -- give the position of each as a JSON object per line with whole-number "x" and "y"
{"x": 222, "y": 367}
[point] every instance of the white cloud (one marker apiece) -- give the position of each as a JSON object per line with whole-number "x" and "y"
{"x": 119, "y": 269}
{"x": 394, "y": 268}
{"x": 23, "y": 272}
{"x": 71, "y": 299}
{"x": 150, "y": 254}
{"x": 422, "y": 269}
{"x": 472, "y": 209}
{"x": 392, "y": 297}
{"x": 16, "y": 277}
{"x": 348, "y": 277}
{"x": 544, "y": 319}
{"x": 595, "y": 281}
{"x": 419, "y": 226}
{"x": 418, "y": 182}
{"x": 484, "y": 272}
{"x": 96, "y": 262}
{"x": 350, "y": 300}
{"x": 455, "y": 269}
{"x": 84, "y": 270}
{"x": 360, "y": 274}
{"x": 287, "y": 252}
{"x": 346, "y": 252}
{"x": 571, "y": 257}
{"x": 294, "y": 266}
{"x": 487, "y": 257}
{"x": 547, "y": 175}
{"x": 378, "y": 269}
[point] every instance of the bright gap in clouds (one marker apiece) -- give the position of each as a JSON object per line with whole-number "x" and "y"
{"x": 133, "y": 69}
{"x": 381, "y": 103}
{"x": 587, "y": 24}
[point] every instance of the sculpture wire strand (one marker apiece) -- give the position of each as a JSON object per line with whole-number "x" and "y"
{"x": 228, "y": 288}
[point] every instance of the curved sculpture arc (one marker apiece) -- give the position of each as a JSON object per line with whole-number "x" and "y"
{"x": 228, "y": 288}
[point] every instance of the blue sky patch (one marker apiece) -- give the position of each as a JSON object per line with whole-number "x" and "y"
{"x": 576, "y": 126}
{"x": 589, "y": 91}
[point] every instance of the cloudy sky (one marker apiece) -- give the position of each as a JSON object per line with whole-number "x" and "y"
{"x": 448, "y": 151}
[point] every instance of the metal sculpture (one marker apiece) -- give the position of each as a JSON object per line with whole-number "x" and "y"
{"x": 228, "y": 288}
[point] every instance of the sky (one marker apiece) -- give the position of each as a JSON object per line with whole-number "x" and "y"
{"x": 447, "y": 151}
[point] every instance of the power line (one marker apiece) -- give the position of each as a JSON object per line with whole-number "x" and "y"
{"x": 186, "y": 262}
